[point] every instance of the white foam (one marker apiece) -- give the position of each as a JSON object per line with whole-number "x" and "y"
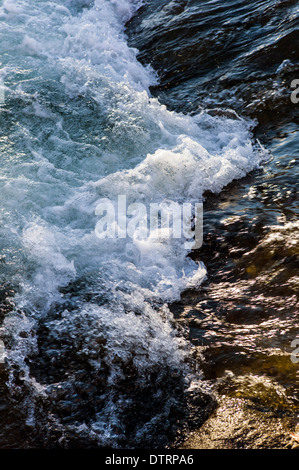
{"x": 71, "y": 157}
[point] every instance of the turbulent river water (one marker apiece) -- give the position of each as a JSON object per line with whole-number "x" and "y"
{"x": 130, "y": 342}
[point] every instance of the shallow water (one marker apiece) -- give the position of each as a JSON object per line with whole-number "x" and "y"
{"x": 95, "y": 355}
{"x": 245, "y": 316}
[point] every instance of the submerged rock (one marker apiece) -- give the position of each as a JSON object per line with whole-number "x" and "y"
{"x": 235, "y": 424}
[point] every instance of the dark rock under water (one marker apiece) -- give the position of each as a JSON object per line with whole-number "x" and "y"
{"x": 239, "y": 57}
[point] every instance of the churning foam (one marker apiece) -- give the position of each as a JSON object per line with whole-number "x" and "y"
{"x": 85, "y": 128}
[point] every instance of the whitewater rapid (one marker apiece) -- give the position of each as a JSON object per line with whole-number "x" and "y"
{"x": 79, "y": 126}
